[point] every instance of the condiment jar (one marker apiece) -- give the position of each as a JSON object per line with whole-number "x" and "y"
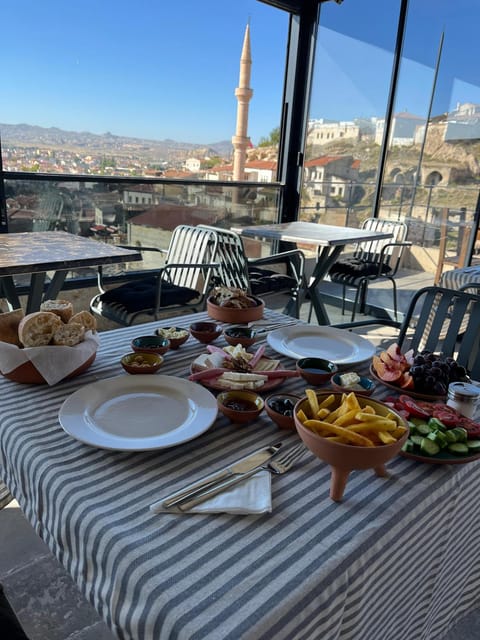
{"x": 463, "y": 397}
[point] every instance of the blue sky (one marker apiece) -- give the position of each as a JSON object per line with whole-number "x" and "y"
{"x": 158, "y": 69}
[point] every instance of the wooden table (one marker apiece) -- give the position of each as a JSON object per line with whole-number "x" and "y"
{"x": 36, "y": 253}
{"x": 330, "y": 241}
{"x": 396, "y": 559}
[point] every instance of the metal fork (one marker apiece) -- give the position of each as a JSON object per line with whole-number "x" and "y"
{"x": 263, "y": 325}
{"x": 282, "y": 463}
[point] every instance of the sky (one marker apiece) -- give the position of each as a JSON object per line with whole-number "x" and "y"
{"x": 157, "y": 69}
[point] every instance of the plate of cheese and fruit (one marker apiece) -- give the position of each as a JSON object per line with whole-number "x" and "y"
{"x": 234, "y": 367}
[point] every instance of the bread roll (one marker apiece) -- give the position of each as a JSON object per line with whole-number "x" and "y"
{"x": 62, "y": 308}
{"x": 37, "y": 329}
{"x": 68, "y": 334}
{"x": 86, "y": 319}
{"x": 9, "y": 322}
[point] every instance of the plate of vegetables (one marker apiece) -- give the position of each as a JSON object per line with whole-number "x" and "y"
{"x": 438, "y": 433}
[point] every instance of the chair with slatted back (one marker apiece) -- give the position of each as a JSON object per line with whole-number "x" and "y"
{"x": 371, "y": 261}
{"x": 284, "y": 277}
{"x": 447, "y": 321}
{"x": 180, "y": 286}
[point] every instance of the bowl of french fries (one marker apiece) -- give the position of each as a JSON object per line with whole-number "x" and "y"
{"x": 349, "y": 431}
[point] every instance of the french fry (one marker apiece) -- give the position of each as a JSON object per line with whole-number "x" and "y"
{"x": 373, "y": 425}
{"x": 327, "y": 402}
{"x": 323, "y": 413}
{"x": 301, "y": 415}
{"x": 386, "y": 438}
{"x": 399, "y": 431}
{"x": 369, "y": 409}
{"x": 349, "y": 435}
{"x": 346, "y": 419}
{"x": 312, "y": 401}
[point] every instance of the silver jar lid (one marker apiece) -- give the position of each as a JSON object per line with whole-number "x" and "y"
{"x": 463, "y": 391}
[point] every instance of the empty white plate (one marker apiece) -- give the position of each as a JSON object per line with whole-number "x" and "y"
{"x": 139, "y": 412}
{"x": 307, "y": 341}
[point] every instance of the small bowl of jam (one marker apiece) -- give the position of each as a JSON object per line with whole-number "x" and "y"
{"x": 243, "y": 336}
{"x": 280, "y": 407}
{"x": 316, "y": 371}
{"x": 240, "y": 405}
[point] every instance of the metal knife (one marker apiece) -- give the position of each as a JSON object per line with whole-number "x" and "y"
{"x": 239, "y": 467}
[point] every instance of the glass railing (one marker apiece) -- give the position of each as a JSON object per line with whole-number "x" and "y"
{"x": 133, "y": 211}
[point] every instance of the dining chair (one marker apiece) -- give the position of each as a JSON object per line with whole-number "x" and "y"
{"x": 371, "y": 261}
{"x": 180, "y": 286}
{"x": 285, "y": 275}
{"x": 439, "y": 320}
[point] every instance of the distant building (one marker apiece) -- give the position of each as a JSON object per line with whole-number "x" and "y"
{"x": 193, "y": 165}
{"x": 330, "y": 177}
{"x": 403, "y": 131}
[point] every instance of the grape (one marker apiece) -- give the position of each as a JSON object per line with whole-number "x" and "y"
{"x": 432, "y": 373}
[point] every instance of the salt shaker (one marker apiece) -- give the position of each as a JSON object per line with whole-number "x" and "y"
{"x": 464, "y": 397}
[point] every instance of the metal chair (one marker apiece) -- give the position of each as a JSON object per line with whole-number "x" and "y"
{"x": 235, "y": 269}
{"x": 180, "y": 286}
{"x": 371, "y": 261}
{"x": 440, "y": 320}
{"x": 447, "y": 321}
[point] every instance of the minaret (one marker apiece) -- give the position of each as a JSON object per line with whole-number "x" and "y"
{"x": 243, "y": 93}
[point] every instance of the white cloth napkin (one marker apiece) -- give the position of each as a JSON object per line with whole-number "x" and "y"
{"x": 53, "y": 362}
{"x": 253, "y": 496}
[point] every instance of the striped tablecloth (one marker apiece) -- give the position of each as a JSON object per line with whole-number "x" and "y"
{"x": 397, "y": 559}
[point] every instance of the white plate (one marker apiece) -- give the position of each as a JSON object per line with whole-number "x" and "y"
{"x": 138, "y": 412}
{"x": 338, "y": 345}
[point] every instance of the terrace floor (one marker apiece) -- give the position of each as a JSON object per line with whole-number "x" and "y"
{"x": 46, "y": 600}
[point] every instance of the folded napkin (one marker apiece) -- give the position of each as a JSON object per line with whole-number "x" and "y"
{"x": 53, "y": 362}
{"x": 253, "y": 496}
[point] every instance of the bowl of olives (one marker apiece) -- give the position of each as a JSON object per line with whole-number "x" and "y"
{"x": 280, "y": 408}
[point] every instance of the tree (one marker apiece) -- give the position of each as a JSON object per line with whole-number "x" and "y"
{"x": 273, "y": 139}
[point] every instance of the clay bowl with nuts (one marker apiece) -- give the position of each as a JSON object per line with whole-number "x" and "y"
{"x": 136, "y": 362}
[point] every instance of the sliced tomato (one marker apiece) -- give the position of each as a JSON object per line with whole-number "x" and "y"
{"x": 413, "y": 407}
{"x": 446, "y": 414}
{"x": 472, "y": 427}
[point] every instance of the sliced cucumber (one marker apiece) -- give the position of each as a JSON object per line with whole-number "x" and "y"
{"x": 408, "y": 446}
{"x": 435, "y": 423}
{"x": 450, "y": 436}
{"x": 416, "y": 439}
{"x": 439, "y": 437}
{"x": 473, "y": 446}
{"x": 460, "y": 433}
{"x": 423, "y": 429}
{"x": 429, "y": 447}
{"x": 458, "y": 448}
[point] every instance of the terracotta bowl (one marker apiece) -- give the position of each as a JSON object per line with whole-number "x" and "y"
{"x": 243, "y": 336}
{"x": 344, "y": 458}
{"x": 316, "y": 371}
{"x": 151, "y": 344}
{"x": 141, "y": 362}
{"x": 233, "y": 315}
{"x": 280, "y": 407}
{"x": 176, "y": 335}
{"x": 365, "y": 386}
{"x": 205, "y": 332}
{"x": 240, "y": 406}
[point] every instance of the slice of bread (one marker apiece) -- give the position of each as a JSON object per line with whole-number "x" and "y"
{"x": 9, "y": 322}
{"x": 37, "y": 329}
{"x": 62, "y": 308}
{"x": 69, "y": 334}
{"x": 86, "y": 319}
